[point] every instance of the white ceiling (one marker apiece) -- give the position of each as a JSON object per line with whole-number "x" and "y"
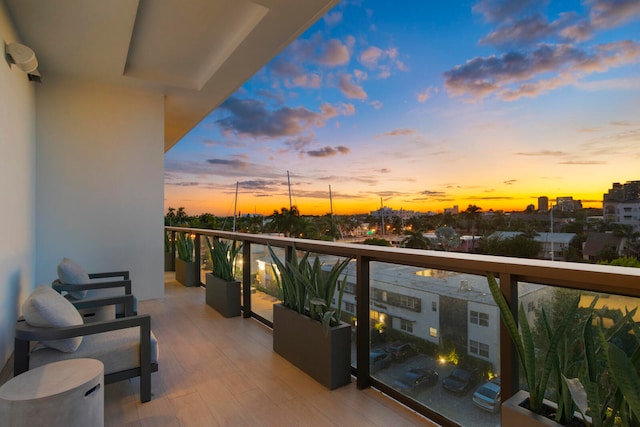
{"x": 196, "y": 52}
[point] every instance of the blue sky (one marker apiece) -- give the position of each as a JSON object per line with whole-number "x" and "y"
{"x": 424, "y": 105}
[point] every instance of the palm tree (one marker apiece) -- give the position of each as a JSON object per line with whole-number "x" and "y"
{"x": 170, "y": 217}
{"x": 181, "y": 216}
{"x": 416, "y": 240}
{"x": 285, "y": 220}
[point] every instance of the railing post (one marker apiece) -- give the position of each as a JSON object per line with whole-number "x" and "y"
{"x": 362, "y": 314}
{"x": 509, "y": 362}
{"x": 246, "y": 279}
{"x": 196, "y": 258}
{"x": 173, "y": 245}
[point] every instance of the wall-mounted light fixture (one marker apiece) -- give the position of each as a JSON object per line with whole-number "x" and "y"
{"x": 24, "y": 58}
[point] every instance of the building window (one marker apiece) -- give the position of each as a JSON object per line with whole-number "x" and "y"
{"x": 530, "y": 307}
{"x": 384, "y": 296}
{"x": 479, "y": 348}
{"x": 350, "y": 288}
{"x": 409, "y": 302}
{"x": 479, "y": 318}
{"x": 348, "y": 307}
{"x": 434, "y": 306}
{"x": 433, "y": 332}
{"x": 406, "y": 325}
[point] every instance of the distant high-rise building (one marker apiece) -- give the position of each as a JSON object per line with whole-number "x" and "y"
{"x": 452, "y": 211}
{"x": 567, "y": 204}
{"x": 621, "y": 204}
{"x": 543, "y": 204}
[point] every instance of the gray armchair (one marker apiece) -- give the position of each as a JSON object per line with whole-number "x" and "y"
{"x": 126, "y": 345}
{"x": 76, "y": 284}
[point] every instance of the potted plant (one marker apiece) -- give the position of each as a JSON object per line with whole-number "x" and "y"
{"x": 223, "y": 291}
{"x": 608, "y": 389}
{"x": 530, "y": 407}
{"x": 169, "y": 256}
{"x": 307, "y": 330}
{"x": 186, "y": 268}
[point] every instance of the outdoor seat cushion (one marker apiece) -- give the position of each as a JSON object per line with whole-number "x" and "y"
{"x": 119, "y": 350}
{"x": 71, "y": 273}
{"x": 45, "y": 308}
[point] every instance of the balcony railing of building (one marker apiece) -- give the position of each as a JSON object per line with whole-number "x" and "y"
{"x": 386, "y": 288}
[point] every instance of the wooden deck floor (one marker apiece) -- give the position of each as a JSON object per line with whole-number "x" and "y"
{"x": 223, "y": 372}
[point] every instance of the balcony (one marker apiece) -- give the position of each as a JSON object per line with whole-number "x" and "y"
{"x": 434, "y": 301}
{"x": 217, "y": 371}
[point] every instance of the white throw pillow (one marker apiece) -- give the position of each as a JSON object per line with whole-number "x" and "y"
{"x": 45, "y": 308}
{"x": 71, "y": 273}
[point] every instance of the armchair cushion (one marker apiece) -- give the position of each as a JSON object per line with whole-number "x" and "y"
{"x": 119, "y": 350}
{"x": 71, "y": 273}
{"x": 45, "y": 308}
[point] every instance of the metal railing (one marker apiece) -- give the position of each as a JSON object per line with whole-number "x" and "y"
{"x": 510, "y": 271}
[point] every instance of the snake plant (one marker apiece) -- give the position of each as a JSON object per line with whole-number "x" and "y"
{"x": 184, "y": 244}
{"x": 223, "y": 257}
{"x": 309, "y": 290}
{"x": 536, "y": 375}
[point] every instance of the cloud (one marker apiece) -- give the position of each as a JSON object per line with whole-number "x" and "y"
{"x": 334, "y": 53}
{"x": 329, "y": 151}
{"x": 611, "y": 13}
{"x": 425, "y": 94}
{"x": 432, "y": 194}
{"x": 359, "y": 75}
{"x": 512, "y": 75}
{"x": 583, "y": 162}
{"x": 332, "y": 18}
{"x": 307, "y": 80}
{"x": 370, "y": 56}
{"x": 235, "y": 163}
{"x": 376, "y": 104}
{"x": 521, "y": 32}
{"x": 350, "y": 89}
{"x": 184, "y": 184}
{"x": 258, "y": 184}
{"x": 375, "y": 58}
{"x": 499, "y": 10}
{"x": 543, "y": 153}
{"x": 510, "y": 181}
{"x": 284, "y": 68}
{"x": 250, "y": 117}
{"x": 397, "y": 132}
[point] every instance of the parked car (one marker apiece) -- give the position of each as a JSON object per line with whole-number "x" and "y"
{"x": 400, "y": 351}
{"x": 487, "y": 396}
{"x": 379, "y": 359}
{"x": 459, "y": 381}
{"x": 416, "y": 379}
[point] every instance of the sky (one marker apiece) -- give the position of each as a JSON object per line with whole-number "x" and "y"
{"x": 423, "y": 105}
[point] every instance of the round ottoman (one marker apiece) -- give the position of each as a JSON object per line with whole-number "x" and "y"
{"x": 67, "y": 393}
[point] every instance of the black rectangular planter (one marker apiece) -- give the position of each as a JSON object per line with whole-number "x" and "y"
{"x": 303, "y": 342}
{"x": 169, "y": 262}
{"x": 223, "y": 296}
{"x": 187, "y": 273}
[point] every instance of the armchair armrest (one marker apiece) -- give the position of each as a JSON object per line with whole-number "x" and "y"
{"x": 123, "y": 274}
{"x": 125, "y": 300}
{"x": 59, "y": 287}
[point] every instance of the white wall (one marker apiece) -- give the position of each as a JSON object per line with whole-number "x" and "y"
{"x": 17, "y": 189}
{"x": 99, "y": 181}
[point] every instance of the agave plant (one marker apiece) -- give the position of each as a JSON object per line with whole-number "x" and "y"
{"x": 307, "y": 289}
{"x": 536, "y": 376}
{"x": 184, "y": 244}
{"x": 223, "y": 256}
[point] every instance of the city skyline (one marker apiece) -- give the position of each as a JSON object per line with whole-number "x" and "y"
{"x": 425, "y": 105}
